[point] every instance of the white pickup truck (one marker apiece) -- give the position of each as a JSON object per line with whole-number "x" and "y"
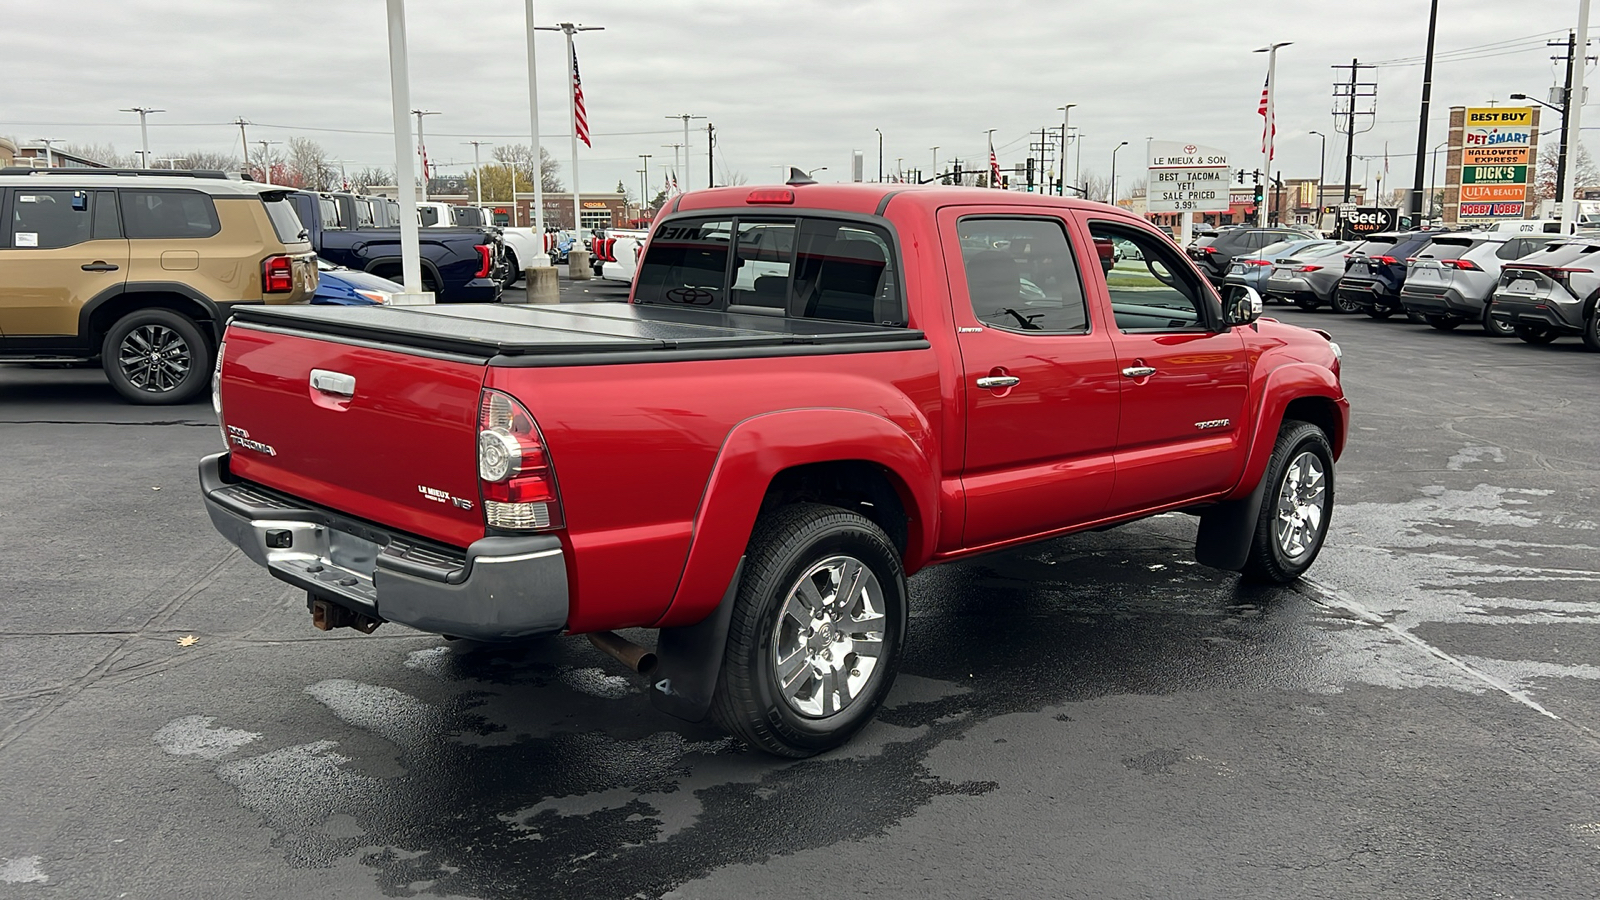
{"x": 521, "y": 244}
{"x": 618, "y": 253}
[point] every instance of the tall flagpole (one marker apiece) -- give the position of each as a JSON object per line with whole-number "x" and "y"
{"x": 542, "y": 259}
{"x": 1268, "y": 127}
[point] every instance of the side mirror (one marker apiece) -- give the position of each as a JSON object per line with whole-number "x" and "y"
{"x": 1241, "y": 305}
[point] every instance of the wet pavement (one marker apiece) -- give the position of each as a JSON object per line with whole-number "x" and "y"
{"x": 1094, "y": 717}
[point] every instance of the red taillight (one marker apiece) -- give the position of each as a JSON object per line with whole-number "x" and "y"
{"x": 1307, "y": 268}
{"x": 514, "y": 474}
{"x": 485, "y": 260}
{"x": 1385, "y": 260}
{"x": 1255, "y": 262}
{"x": 1465, "y": 265}
{"x": 1211, "y": 250}
{"x": 277, "y": 275}
{"x": 770, "y": 195}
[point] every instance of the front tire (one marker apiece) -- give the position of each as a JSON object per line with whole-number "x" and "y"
{"x": 816, "y": 632}
{"x": 1591, "y": 330}
{"x": 1343, "y": 305}
{"x": 156, "y": 357}
{"x": 1380, "y": 312}
{"x": 1297, "y": 505}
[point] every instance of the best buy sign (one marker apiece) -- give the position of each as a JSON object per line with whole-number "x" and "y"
{"x": 1494, "y": 174}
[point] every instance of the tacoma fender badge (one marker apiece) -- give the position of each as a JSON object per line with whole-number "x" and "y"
{"x": 241, "y": 438}
{"x": 1213, "y": 423}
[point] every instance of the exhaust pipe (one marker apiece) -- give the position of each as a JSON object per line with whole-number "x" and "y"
{"x": 624, "y": 651}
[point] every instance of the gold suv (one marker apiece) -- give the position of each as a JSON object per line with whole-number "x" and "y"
{"x": 141, "y": 270}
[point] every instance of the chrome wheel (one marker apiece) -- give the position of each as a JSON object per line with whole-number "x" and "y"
{"x": 829, "y": 636}
{"x": 154, "y": 358}
{"x": 1302, "y": 503}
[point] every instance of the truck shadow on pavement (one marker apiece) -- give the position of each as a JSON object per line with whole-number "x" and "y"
{"x": 541, "y": 769}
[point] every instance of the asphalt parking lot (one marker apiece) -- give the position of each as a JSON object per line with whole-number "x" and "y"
{"x": 1091, "y": 717}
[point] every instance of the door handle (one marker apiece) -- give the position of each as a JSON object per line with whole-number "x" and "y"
{"x": 1139, "y": 371}
{"x": 99, "y": 266}
{"x": 337, "y": 383}
{"x": 995, "y": 382}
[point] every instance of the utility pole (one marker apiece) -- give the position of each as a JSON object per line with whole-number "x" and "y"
{"x": 1566, "y": 103}
{"x": 711, "y": 155}
{"x": 244, "y": 141}
{"x": 1346, "y": 101}
{"x": 1572, "y": 117}
{"x": 144, "y": 132}
{"x": 1422, "y": 120}
{"x": 685, "y": 117}
{"x": 646, "y": 173}
{"x": 542, "y": 259}
{"x": 477, "y": 168}
{"x": 266, "y": 161}
{"x": 1066, "y": 115}
{"x": 422, "y": 146}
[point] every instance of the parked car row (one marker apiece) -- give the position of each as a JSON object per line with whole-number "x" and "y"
{"x": 1535, "y": 285}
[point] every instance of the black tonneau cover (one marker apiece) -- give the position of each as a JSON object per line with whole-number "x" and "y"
{"x": 514, "y": 334}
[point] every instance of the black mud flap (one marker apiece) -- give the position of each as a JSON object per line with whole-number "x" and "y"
{"x": 1227, "y": 529}
{"x": 689, "y": 660}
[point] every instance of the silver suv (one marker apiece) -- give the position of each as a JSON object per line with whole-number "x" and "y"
{"x": 1452, "y": 279}
{"x": 1552, "y": 293}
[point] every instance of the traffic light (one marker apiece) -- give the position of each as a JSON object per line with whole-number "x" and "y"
{"x": 1260, "y": 194}
{"x": 1030, "y": 173}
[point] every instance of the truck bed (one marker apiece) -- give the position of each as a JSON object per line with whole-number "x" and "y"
{"x": 583, "y": 333}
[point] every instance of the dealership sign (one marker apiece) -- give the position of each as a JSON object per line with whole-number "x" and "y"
{"x": 1187, "y": 178}
{"x": 1496, "y": 159}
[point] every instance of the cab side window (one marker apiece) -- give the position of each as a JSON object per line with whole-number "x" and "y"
{"x": 1155, "y": 290}
{"x": 1021, "y": 275}
{"x": 47, "y": 219}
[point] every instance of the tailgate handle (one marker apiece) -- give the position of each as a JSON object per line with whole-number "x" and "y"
{"x": 333, "y": 382}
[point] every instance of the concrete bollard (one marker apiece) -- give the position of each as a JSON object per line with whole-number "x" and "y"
{"x": 578, "y": 265}
{"x": 542, "y": 284}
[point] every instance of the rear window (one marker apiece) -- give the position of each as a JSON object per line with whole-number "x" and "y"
{"x": 1447, "y": 247}
{"x": 805, "y": 267}
{"x": 1374, "y": 246}
{"x": 284, "y": 220}
{"x": 172, "y": 214}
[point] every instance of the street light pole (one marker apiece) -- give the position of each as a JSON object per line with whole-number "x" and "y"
{"x": 144, "y": 132}
{"x": 1066, "y": 114}
{"x": 266, "y": 162}
{"x": 935, "y": 161}
{"x": 1270, "y": 125}
{"x": 422, "y": 145}
{"x": 1433, "y": 184}
{"x": 1322, "y": 174}
{"x": 1077, "y": 163}
{"x": 1573, "y": 117}
{"x": 880, "y": 154}
{"x": 1113, "y": 198}
{"x": 685, "y": 117}
{"x": 49, "y": 156}
{"x": 542, "y": 258}
{"x": 477, "y": 169}
{"x": 400, "y": 101}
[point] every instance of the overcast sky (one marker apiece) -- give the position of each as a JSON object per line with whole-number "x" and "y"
{"x": 799, "y": 81}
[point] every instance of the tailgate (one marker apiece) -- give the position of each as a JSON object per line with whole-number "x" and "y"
{"x": 399, "y": 450}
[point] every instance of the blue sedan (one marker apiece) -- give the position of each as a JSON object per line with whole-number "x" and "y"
{"x": 339, "y": 286}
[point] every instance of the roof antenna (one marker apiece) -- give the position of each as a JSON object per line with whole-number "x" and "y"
{"x": 797, "y": 177}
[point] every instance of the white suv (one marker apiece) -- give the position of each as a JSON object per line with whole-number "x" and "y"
{"x": 1453, "y": 277}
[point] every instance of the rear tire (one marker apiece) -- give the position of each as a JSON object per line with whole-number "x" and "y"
{"x": 1442, "y": 323}
{"x": 1380, "y": 312}
{"x": 513, "y": 269}
{"x": 156, "y": 357}
{"x": 796, "y": 688}
{"x": 1296, "y": 507}
{"x": 1533, "y": 334}
{"x": 1308, "y": 304}
{"x": 1496, "y": 327}
{"x": 1591, "y": 330}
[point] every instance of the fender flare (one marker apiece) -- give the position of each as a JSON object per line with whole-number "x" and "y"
{"x": 1228, "y": 528}
{"x": 760, "y": 447}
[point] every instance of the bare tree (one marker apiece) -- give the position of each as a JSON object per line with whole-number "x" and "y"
{"x": 1098, "y": 187}
{"x": 369, "y": 177}
{"x": 521, "y": 158}
{"x": 105, "y": 153}
{"x": 210, "y": 159}
{"x": 308, "y": 165}
{"x": 1585, "y": 175}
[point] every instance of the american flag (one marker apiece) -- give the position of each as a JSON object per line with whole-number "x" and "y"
{"x": 994, "y": 165}
{"x": 1269, "y": 128}
{"x": 424, "y": 150}
{"x": 579, "y": 115}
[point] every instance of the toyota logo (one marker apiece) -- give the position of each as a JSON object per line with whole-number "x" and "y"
{"x": 1189, "y": 148}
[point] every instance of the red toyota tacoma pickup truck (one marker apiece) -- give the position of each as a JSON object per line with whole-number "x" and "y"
{"x": 815, "y": 391}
